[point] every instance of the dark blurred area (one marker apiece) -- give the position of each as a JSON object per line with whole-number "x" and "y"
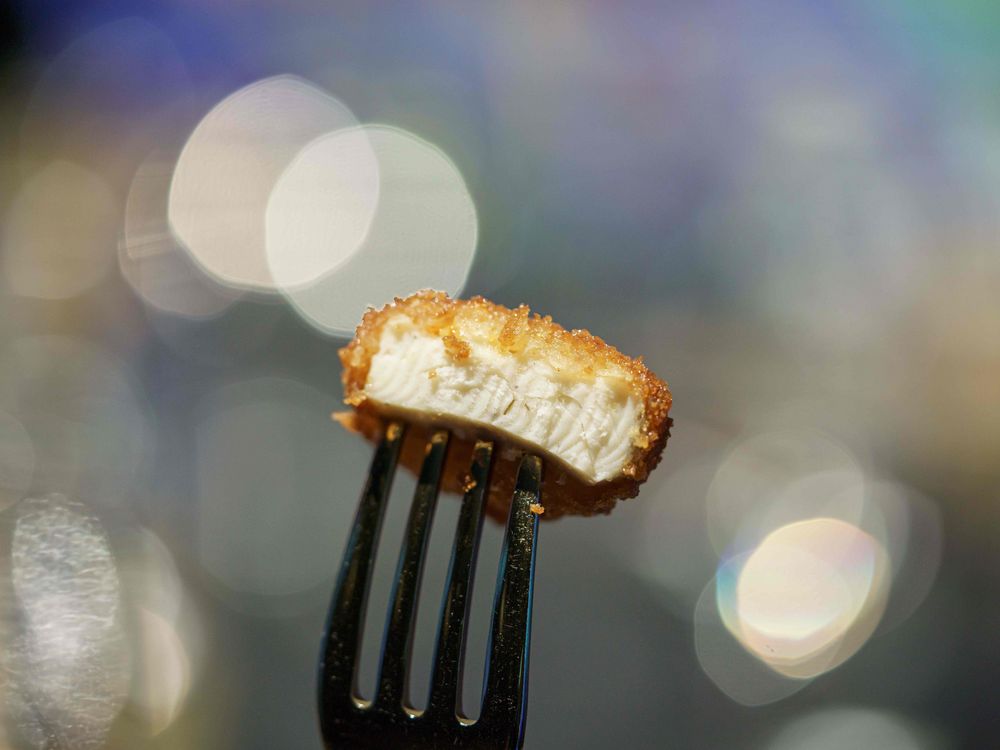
{"x": 791, "y": 210}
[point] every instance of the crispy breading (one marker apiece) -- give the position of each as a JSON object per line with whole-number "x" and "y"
{"x": 575, "y": 354}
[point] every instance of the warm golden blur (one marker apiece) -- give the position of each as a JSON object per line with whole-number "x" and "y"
{"x": 790, "y": 210}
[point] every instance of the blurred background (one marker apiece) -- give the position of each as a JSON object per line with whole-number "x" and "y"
{"x": 791, "y": 210}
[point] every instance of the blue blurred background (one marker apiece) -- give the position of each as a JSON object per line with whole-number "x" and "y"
{"x": 791, "y": 210}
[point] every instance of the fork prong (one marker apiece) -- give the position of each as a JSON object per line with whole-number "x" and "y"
{"x": 398, "y": 641}
{"x": 337, "y": 667}
{"x": 446, "y": 682}
{"x": 506, "y": 687}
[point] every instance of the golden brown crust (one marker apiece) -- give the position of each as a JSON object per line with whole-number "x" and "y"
{"x": 577, "y": 352}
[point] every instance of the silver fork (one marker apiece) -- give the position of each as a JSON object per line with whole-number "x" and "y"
{"x": 389, "y": 720}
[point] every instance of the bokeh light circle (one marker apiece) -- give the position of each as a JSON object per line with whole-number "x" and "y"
{"x": 152, "y": 260}
{"x": 321, "y": 207}
{"x": 164, "y": 677}
{"x": 423, "y": 234}
{"x": 67, "y": 661}
{"x": 268, "y": 456}
{"x": 229, "y": 165}
{"x": 166, "y": 637}
{"x": 853, "y": 727}
{"x": 807, "y": 598}
{"x": 778, "y": 476}
{"x": 736, "y": 672}
{"x": 798, "y": 605}
{"x": 59, "y": 232}
{"x": 149, "y": 574}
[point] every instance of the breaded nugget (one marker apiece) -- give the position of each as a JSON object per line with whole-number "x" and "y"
{"x": 598, "y": 418}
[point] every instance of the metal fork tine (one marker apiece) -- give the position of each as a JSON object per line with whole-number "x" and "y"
{"x": 337, "y": 668}
{"x": 446, "y": 683}
{"x": 392, "y": 690}
{"x": 506, "y": 687}
{"x": 388, "y": 720}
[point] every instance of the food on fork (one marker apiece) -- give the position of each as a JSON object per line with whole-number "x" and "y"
{"x": 598, "y": 418}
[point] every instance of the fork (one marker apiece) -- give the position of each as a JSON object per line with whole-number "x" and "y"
{"x": 389, "y": 720}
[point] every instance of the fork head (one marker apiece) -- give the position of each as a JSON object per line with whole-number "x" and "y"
{"x": 388, "y": 719}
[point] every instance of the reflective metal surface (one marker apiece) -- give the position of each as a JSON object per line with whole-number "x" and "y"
{"x": 389, "y": 719}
